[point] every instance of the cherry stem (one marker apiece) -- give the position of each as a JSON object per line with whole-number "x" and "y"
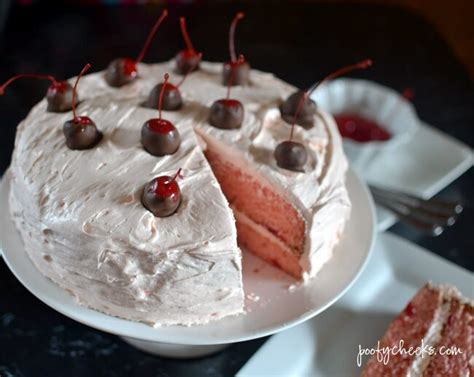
{"x": 27, "y": 75}
{"x": 361, "y": 65}
{"x": 184, "y": 31}
{"x": 151, "y": 34}
{"x": 176, "y": 176}
{"x": 162, "y": 92}
{"x": 74, "y": 90}
{"x": 233, "y": 25}
{"x": 190, "y": 69}
{"x": 232, "y": 75}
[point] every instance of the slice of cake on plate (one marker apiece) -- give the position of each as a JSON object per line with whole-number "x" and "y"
{"x": 438, "y": 325}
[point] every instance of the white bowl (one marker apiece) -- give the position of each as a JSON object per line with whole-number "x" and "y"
{"x": 270, "y": 306}
{"x": 373, "y": 102}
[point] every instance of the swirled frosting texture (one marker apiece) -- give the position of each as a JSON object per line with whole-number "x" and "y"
{"x": 80, "y": 216}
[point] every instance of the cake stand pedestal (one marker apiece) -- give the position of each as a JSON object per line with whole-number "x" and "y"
{"x": 175, "y": 351}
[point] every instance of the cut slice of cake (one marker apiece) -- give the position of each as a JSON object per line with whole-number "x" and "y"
{"x": 437, "y": 320}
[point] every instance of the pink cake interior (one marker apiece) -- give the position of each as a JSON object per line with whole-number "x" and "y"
{"x": 410, "y": 325}
{"x": 458, "y": 332}
{"x": 267, "y": 224}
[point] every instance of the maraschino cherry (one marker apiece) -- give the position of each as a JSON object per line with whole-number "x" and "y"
{"x": 227, "y": 113}
{"x": 172, "y": 99}
{"x": 159, "y": 136}
{"x": 291, "y": 155}
{"x": 308, "y": 109}
{"x": 188, "y": 59}
{"x": 240, "y": 69}
{"x": 162, "y": 195}
{"x": 80, "y": 132}
{"x": 122, "y": 71}
{"x": 59, "y": 94}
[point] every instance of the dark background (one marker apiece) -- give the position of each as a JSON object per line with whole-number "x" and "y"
{"x": 299, "y": 43}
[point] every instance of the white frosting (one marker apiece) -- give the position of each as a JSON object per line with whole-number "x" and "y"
{"x": 431, "y": 339}
{"x": 80, "y": 216}
{"x": 433, "y": 335}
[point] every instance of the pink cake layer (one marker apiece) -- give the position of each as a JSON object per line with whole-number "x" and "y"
{"x": 410, "y": 325}
{"x": 458, "y": 332}
{"x": 259, "y": 241}
{"x": 259, "y": 201}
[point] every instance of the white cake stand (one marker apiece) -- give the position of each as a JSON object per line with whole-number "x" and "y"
{"x": 274, "y": 302}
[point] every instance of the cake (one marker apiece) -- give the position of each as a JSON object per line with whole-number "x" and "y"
{"x": 84, "y": 226}
{"x": 444, "y": 320}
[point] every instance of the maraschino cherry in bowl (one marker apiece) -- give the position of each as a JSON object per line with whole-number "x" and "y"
{"x": 372, "y": 118}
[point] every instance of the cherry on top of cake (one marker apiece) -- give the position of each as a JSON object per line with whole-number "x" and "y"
{"x": 162, "y": 195}
{"x": 159, "y": 136}
{"x": 308, "y": 108}
{"x": 122, "y": 71}
{"x": 59, "y": 94}
{"x": 80, "y": 132}
{"x": 239, "y": 69}
{"x": 227, "y": 113}
{"x": 289, "y": 154}
{"x": 172, "y": 99}
{"x": 187, "y": 60}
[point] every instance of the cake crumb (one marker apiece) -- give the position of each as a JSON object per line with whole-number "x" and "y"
{"x": 253, "y": 297}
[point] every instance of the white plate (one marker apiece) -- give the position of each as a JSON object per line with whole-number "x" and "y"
{"x": 328, "y": 344}
{"x": 276, "y": 309}
{"x": 423, "y": 167}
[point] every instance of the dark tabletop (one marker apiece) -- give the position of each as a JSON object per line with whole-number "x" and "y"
{"x": 299, "y": 43}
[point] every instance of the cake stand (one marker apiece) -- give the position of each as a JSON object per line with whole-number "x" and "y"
{"x": 274, "y": 301}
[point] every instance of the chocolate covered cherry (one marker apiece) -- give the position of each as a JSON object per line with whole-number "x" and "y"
{"x": 172, "y": 99}
{"x": 122, "y": 71}
{"x": 159, "y": 136}
{"x": 187, "y": 59}
{"x": 227, "y": 113}
{"x": 291, "y": 155}
{"x": 162, "y": 195}
{"x": 58, "y": 96}
{"x": 306, "y": 114}
{"x": 308, "y": 107}
{"x": 80, "y": 132}
{"x": 239, "y": 69}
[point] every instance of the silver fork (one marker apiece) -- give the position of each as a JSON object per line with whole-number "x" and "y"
{"x": 428, "y": 215}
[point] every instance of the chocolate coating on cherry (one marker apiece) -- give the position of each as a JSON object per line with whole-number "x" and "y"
{"x": 123, "y": 71}
{"x": 187, "y": 60}
{"x": 120, "y": 72}
{"x": 159, "y": 136}
{"x": 291, "y": 155}
{"x": 240, "y": 70}
{"x": 172, "y": 99}
{"x": 306, "y": 114}
{"x": 308, "y": 107}
{"x": 227, "y": 113}
{"x": 58, "y": 96}
{"x": 80, "y": 132}
{"x": 162, "y": 195}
